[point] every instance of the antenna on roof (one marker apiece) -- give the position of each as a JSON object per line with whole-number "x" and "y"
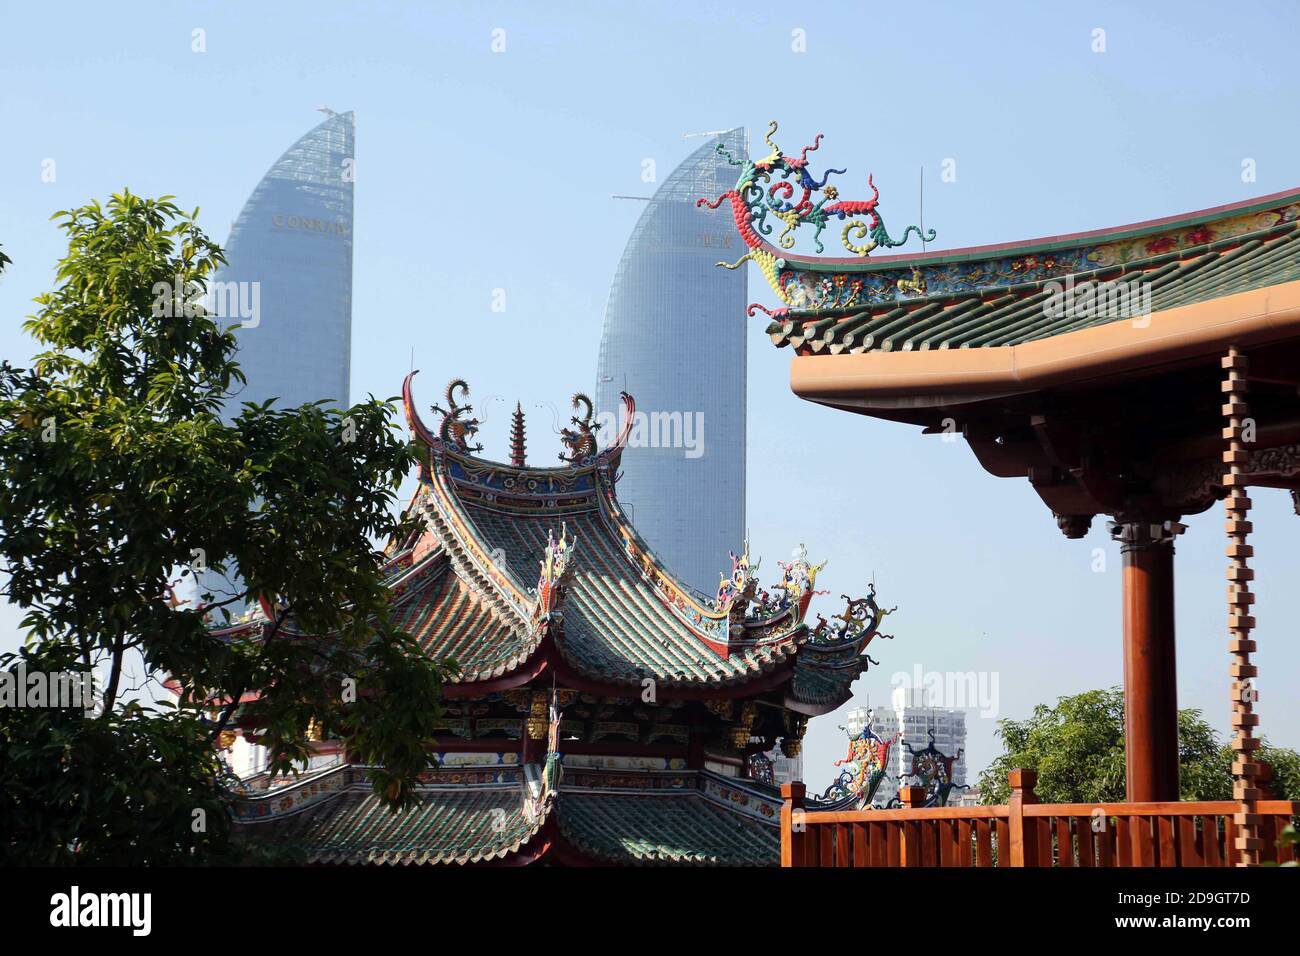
{"x": 327, "y": 111}
{"x": 921, "y": 214}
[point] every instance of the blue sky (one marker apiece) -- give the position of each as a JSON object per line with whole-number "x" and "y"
{"x": 479, "y": 170}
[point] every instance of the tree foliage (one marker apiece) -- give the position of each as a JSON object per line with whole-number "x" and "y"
{"x": 118, "y": 480}
{"x": 1077, "y": 749}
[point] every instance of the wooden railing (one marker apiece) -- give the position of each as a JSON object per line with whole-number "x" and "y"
{"x": 1025, "y": 832}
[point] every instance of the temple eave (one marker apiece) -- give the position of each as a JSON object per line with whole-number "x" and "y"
{"x": 1200, "y": 331}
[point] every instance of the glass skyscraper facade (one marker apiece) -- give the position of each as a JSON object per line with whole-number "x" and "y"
{"x": 674, "y": 338}
{"x": 290, "y": 251}
{"x": 288, "y": 282}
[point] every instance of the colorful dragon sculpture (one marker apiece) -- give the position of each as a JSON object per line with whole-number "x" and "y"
{"x": 756, "y": 196}
{"x": 554, "y": 574}
{"x": 457, "y": 428}
{"x": 867, "y": 759}
{"x": 798, "y": 579}
{"x": 860, "y": 616}
{"x": 580, "y": 442}
{"x": 738, "y": 590}
{"x": 932, "y": 769}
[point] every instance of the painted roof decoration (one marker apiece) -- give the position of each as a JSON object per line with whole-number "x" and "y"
{"x": 932, "y": 769}
{"x": 756, "y": 196}
{"x": 457, "y": 427}
{"x": 867, "y": 762}
{"x": 580, "y": 441}
{"x": 1012, "y": 293}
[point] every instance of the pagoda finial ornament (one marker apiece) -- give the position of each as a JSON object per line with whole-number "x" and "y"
{"x": 756, "y": 196}
{"x": 517, "y": 444}
{"x": 554, "y": 575}
{"x": 457, "y": 427}
{"x": 580, "y": 441}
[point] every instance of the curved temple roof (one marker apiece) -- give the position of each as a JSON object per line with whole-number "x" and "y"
{"x": 522, "y": 567}
{"x": 1015, "y": 293}
{"x": 486, "y": 815}
{"x": 517, "y": 571}
{"x": 1004, "y": 296}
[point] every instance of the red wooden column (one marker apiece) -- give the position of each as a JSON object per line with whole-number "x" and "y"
{"x": 1150, "y": 679}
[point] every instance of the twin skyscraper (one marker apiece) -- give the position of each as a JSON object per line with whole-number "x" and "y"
{"x": 674, "y": 335}
{"x": 292, "y": 246}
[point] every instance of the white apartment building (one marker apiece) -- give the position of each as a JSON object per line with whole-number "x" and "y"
{"x": 908, "y": 713}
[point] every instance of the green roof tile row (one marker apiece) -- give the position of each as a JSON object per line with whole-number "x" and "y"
{"x": 677, "y": 828}
{"x": 462, "y": 826}
{"x": 615, "y": 625}
{"x": 1011, "y": 315}
{"x": 451, "y": 622}
{"x": 470, "y": 825}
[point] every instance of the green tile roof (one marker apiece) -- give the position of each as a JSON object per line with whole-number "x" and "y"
{"x": 615, "y": 626}
{"x": 482, "y": 824}
{"x": 977, "y": 304}
{"x": 450, "y": 621}
{"x": 466, "y": 825}
{"x": 676, "y": 828}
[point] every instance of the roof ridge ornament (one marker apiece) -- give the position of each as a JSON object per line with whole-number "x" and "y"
{"x": 580, "y": 442}
{"x": 867, "y": 766}
{"x": 752, "y": 201}
{"x": 737, "y": 591}
{"x": 554, "y": 577}
{"x": 860, "y": 621}
{"x": 615, "y": 448}
{"x": 799, "y": 579}
{"x": 457, "y": 428}
{"x": 932, "y": 769}
{"x": 518, "y": 443}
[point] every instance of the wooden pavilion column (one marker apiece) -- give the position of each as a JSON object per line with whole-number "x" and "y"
{"x": 1150, "y": 679}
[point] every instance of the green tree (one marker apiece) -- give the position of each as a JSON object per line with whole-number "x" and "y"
{"x": 1077, "y": 749}
{"x": 118, "y": 480}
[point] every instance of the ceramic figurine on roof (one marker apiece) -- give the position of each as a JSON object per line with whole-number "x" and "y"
{"x": 867, "y": 759}
{"x": 554, "y": 573}
{"x": 933, "y": 770}
{"x": 755, "y": 196}
{"x": 457, "y": 428}
{"x": 580, "y": 442}
{"x": 799, "y": 578}
{"x": 861, "y": 616}
{"x": 570, "y": 635}
{"x": 740, "y": 587}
